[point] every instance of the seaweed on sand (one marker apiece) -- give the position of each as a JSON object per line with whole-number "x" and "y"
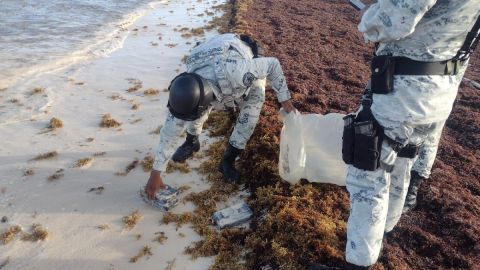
{"x": 151, "y": 92}
{"x": 136, "y": 85}
{"x": 48, "y": 155}
{"x": 83, "y": 162}
{"x": 9, "y": 234}
{"x": 130, "y": 221}
{"x": 132, "y": 165}
{"x": 178, "y": 219}
{"x": 156, "y": 131}
{"x": 98, "y": 190}
{"x": 135, "y": 106}
{"x": 37, "y": 90}
{"x": 37, "y": 233}
{"x": 99, "y": 154}
{"x": 147, "y": 163}
{"x": 145, "y": 251}
{"x": 103, "y": 227}
{"x": 160, "y": 238}
{"x": 55, "y": 123}
{"x": 57, "y": 175}
{"x": 28, "y": 172}
{"x": 183, "y": 189}
{"x": 109, "y": 122}
{"x": 176, "y": 166}
{"x": 136, "y": 121}
{"x": 219, "y": 123}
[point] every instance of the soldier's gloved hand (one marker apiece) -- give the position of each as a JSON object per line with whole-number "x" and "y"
{"x": 288, "y": 106}
{"x": 154, "y": 184}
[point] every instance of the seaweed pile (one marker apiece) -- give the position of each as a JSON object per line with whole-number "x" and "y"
{"x": 326, "y": 64}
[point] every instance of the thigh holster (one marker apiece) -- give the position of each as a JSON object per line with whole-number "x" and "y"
{"x": 362, "y": 140}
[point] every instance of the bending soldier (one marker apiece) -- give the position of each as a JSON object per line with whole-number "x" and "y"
{"x": 225, "y": 71}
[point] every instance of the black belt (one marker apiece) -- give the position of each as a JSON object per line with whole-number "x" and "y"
{"x": 407, "y": 66}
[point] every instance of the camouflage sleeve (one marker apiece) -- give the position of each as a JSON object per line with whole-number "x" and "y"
{"x": 390, "y": 20}
{"x": 269, "y": 68}
{"x": 169, "y": 135}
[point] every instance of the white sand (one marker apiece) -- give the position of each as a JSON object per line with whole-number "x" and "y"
{"x": 64, "y": 206}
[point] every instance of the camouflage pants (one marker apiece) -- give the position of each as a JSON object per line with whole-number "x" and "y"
{"x": 377, "y": 197}
{"x": 426, "y": 157}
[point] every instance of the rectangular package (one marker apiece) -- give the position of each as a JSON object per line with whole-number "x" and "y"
{"x": 165, "y": 199}
{"x": 232, "y": 216}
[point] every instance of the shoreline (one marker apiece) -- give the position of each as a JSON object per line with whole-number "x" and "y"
{"x": 103, "y": 45}
{"x": 55, "y": 193}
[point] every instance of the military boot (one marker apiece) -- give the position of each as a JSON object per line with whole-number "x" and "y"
{"x": 227, "y": 165}
{"x": 186, "y": 150}
{"x": 411, "y": 199}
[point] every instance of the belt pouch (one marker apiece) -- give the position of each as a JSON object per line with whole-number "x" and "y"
{"x": 368, "y": 143}
{"x": 383, "y": 69}
{"x": 410, "y": 151}
{"x": 348, "y": 138}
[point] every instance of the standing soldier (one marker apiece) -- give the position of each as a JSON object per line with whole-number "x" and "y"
{"x": 225, "y": 71}
{"x": 419, "y": 65}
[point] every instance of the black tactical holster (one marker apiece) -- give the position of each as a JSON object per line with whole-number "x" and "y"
{"x": 362, "y": 140}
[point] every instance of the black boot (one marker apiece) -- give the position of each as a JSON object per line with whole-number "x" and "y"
{"x": 227, "y": 165}
{"x": 186, "y": 150}
{"x": 411, "y": 199}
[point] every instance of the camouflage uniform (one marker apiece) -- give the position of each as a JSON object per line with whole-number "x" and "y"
{"x": 415, "y": 112}
{"x": 237, "y": 80}
{"x": 426, "y": 157}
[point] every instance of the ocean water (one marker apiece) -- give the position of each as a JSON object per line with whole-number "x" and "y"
{"x": 40, "y": 35}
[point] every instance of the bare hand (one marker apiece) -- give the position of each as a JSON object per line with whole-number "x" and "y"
{"x": 154, "y": 184}
{"x": 288, "y": 106}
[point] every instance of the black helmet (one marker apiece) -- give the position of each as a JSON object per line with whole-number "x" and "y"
{"x": 189, "y": 97}
{"x": 256, "y": 49}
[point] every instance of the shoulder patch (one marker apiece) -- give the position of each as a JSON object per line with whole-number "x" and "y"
{"x": 248, "y": 79}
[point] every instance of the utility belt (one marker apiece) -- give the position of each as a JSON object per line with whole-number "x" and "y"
{"x": 384, "y": 67}
{"x": 363, "y": 137}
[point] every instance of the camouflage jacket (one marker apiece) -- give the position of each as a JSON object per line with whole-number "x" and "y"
{"x": 228, "y": 63}
{"x": 423, "y": 30}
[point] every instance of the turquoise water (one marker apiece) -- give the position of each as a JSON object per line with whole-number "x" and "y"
{"x": 40, "y": 34}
